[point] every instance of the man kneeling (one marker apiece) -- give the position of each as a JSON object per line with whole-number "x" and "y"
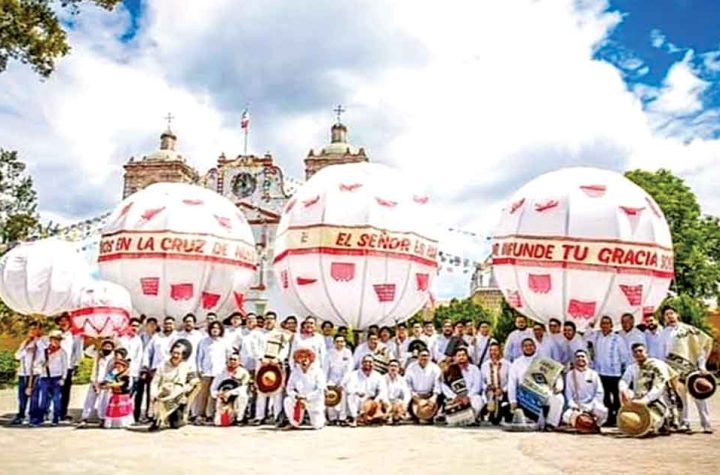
{"x": 229, "y": 389}
{"x": 366, "y": 394}
{"x": 305, "y": 391}
{"x": 584, "y": 394}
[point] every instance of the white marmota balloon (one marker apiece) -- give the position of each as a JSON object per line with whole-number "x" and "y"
{"x": 40, "y": 277}
{"x": 101, "y": 309}
{"x": 580, "y": 243}
{"x": 354, "y": 247}
{"x": 179, "y": 249}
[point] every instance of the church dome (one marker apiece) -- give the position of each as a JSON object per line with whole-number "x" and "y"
{"x": 167, "y": 148}
{"x": 338, "y": 142}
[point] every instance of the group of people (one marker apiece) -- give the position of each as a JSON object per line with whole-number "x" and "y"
{"x": 252, "y": 369}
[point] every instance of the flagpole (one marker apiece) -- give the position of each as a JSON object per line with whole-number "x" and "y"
{"x": 247, "y": 129}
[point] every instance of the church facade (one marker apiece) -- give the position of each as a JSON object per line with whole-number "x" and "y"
{"x": 256, "y": 184}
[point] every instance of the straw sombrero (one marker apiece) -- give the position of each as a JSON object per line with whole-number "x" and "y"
{"x": 701, "y": 385}
{"x": 269, "y": 379}
{"x": 634, "y": 419}
{"x": 333, "y": 395}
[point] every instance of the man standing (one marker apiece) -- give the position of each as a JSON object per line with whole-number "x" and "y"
{"x": 552, "y": 412}
{"x": 610, "y": 360}
{"x": 555, "y": 331}
{"x": 143, "y": 386}
{"x": 442, "y": 341}
{"x": 584, "y": 391}
{"x": 483, "y": 340}
{"x": 212, "y": 356}
{"x": 275, "y": 349}
{"x": 338, "y": 363}
{"x": 234, "y": 332}
{"x": 72, "y": 345}
{"x": 655, "y": 339}
{"x": 398, "y": 346}
{"x": 229, "y": 390}
{"x": 253, "y": 345}
{"x": 305, "y": 390}
{"x": 513, "y": 344}
{"x": 471, "y": 375}
{"x": 572, "y": 342}
{"x": 134, "y": 346}
{"x": 96, "y": 398}
{"x": 398, "y": 393}
{"x": 55, "y": 365}
{"x": 366, "y": 393}
{"x": 29, "y": 355}
{"x": 328, "y": 329}
{"x": 307, "y": 338}
{"x": 429, "y": 335}
{"x": 629, "y": 333}
{"x": 494, "y": 382}
{"x": 687, "y": 349}
{"x": 371, "y": 347}
{"x": 546, "y": 346}
{"x": 423, "y": 379}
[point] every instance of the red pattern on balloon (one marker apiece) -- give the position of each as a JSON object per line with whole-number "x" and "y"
{"x": 540, "y": 283}
{"x": 630, "y": 211}
{"x": 422, "y": 280}
{"x": 311, "y": 201}
{"x": 342, "y": 271}
{"x": 517, "y": 205}
{"x": 386, "y": 203}
{"x": 594, "y": 191}
{"x": 190, "y": 202}
{"x": 150, "y": 285}
{"x": 305, "y": 281}
{"x": 224, "y": 222}
{"x": 209, "y": 300}
{"x": 581, "y": 310}
{"x": 633, "y": 293}
{"x": 239, "y": 299}
{"x": 151, "y": 213}
{"x": 351, "y": 188}
{"x": 548, "y": 205}
{"x": 183, "y": 291}
{"x": 385, "y": 292}
{"x": 421, "y": 200}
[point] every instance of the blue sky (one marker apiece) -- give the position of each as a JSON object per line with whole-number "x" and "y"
{"x": 472, "y": 99}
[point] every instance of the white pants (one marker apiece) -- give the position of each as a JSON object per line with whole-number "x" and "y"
{"x": 261, "y": 403}
{"x": 555, "y": 404}
{"x": 338, "y": 412}
{"x": 701, "y": 405}
{"x": 354, "y": 404}
{"x": 596, "y": 409}
{"x": 315, "y": 409}
{"x": 477, "y": 403}
{"x": 239, "y": 406}
{"x": 94, "y": 401}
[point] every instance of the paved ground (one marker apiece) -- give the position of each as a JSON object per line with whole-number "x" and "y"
{"x": 404, "y": 449}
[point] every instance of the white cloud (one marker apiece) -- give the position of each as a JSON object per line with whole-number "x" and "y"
{"x": 474, "y": 98}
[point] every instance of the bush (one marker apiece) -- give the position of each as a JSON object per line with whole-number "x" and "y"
{"x": 8, "y": 368}
{"x": 84, "y": 371}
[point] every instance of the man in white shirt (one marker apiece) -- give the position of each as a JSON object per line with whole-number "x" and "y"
{"x": 305, "y": 391}
{"x": 230, "y": 402}
{"x": 546, "y": 346}
{"x": 234, "y": 331}
{"x": 338, "y": 363}
{"x": 441, "y": 342}
{"x": 96, "y": 398}
{"x": 571, "y": 343}
{"x": 629, "y": 333}
{"x": 275, "y": 350}
{"x": 365, "y": 393}
{"x": 554, "y": 405}
{"x": 371, "y": 347}
{"x": 494, "y": 375}
{"x": 307, "y": 338}
{"x": 73, "y": 347}
{"x": 423, "y": 378}
{"x": 55, "y": 364}
{"x": 213, "y": 351}
{"x": 513, "y": 344}
{"x": 654, "y": 339}
{"x": 398, "y": 393}
{"x": 471, "y": 375}
{"x": 676, "y": 331}
{"x": 327, "y": 329}
{"x": 584, "y": 391}
{"x": 398, "y": 346}
{"x": 253, "y": 344}
{"x": 429, "y": 335}
{"x": 611, "y": 358}
{"x": 133, "y": 343}
{"x": 142, "y": 391}
{"x": 30, "y": 358}
{"x": 483, "y": 339}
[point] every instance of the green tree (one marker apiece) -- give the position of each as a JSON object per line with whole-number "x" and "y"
{"x": 18, "y": 221}
{"x": 696, "y": 238}
{"x": 32, "y": 33}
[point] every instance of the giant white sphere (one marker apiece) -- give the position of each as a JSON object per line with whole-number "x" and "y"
{"x": 40, "y": 277}
{"x": 179, "y": 249}
{"x": 101, "y": 309}
{"x": 580, "y": 243}
{"x": 354, "y": 246}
